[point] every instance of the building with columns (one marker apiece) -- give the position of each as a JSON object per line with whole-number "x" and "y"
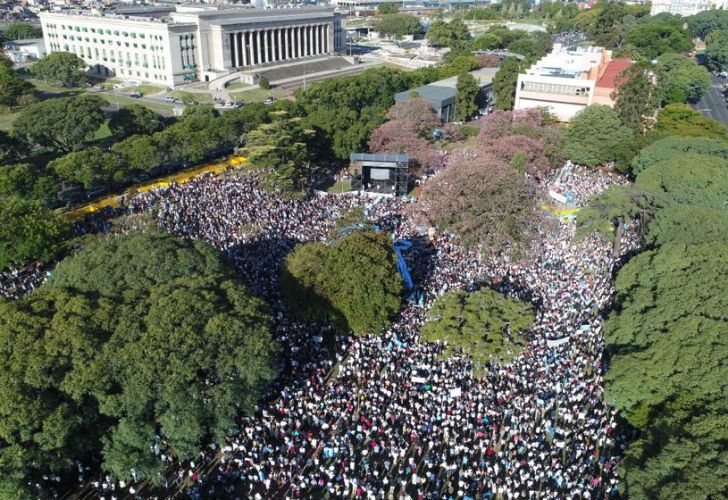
{"x": 175, "y": 45}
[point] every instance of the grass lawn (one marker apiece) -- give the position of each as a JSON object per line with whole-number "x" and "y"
{"x": 148, "y": 89}
{"x": 46, "y": 88}
{"x": 236, "y": 85}
{"x": 7, "y": 118}
{"x": 341, "y": 186}
{"x": 103, "y": 132}
{"x": 259, "y": 95}
{"x": 191, "y": 96}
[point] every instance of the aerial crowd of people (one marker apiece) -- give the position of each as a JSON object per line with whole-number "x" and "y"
{"x": 383, "y": 415}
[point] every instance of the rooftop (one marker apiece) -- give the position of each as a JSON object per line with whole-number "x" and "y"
{"x": 385, "y": 157}
{"x": 444, "y": 91}
{"x": 609, "y": 78}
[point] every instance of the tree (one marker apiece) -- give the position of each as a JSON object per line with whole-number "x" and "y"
{"x": 145, "y": 339}
{"x": 504, "y": 83}
{"x": 654, "y": 39}
{"x": 688, "y": 225}
{"x": 417, "y": 111}
{"x": 634, "y": 97}
{"x": 138, "y": 152}
{"x": 682, "y": 120}
{"x": 523, "y": 153}
{"x": 668, "y": 370}
{"x": 680, "y": 79}
{"x": 593, "y": 134}
{"x": 14, "y": 91}
{"x": 21, "y": 31}
{"x": 466, "y": 97}
{"x": 687, "y": 178}
{"x": 63, "y": 68}
{"x": 91, "y": 167}
{"x": 444, "y": 34}
{"x": 134, "y": 119}
{"x": 325, "y": 281}
{"x": 402, "y": 136}
{"x": 716, "y": 50}
{"x": 607, "y": 213}
{"x": 64, "y": 124}
{"x": 385, "y": 8}
{"x": 264, "y": 83}
{"x": 11, "y": 149}
{"x": 670, "y": 147}
{"x": 398, "y": 25}
{"x": 484, "y": 324}
{"x": 26, "y": 181}
{"x": 703, "y": 23}
{"x": 281, "y": 150}
{"x": 28, "y": 231}
{"x": 483, "y": 201}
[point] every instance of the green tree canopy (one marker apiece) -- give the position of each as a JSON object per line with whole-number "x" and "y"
{"x": 716, "y": 50}
{"x": 65, "y": 123}
{"x": 682, "y": 120}
{"x": 504, "y": 83}
{"x": 353, "y": 282}
{"x": 133, "y": 337}
{"x": 668, "y": 372}
{"x": 398, "y": 25}
{"x": 687, "y": 178}
{"x": 607, "y": 213}
{"x": 703, "y": 23}
{"x": 134, "y": 119}
{"x": 688, "y": 225}
{"x": 91, "y": 167}
{"x": 634, "y": 98}
{"x": 466, "y": 96}
{"x": 669, "y": 147}
{"x": 484, "y": 324}
{"x": 651, "y": 40}
{"x": 14, "y": 91}
{"x": 21, "y": 31}
{"x": 593, "y": 135}
{"x": 63, "y": 68}
{"x": 138, "y": 152}
{"x": 27, "y": 181}
{"x": 680, "y": 79}
{"x": 282, "y": 150}
{"x": 448, "y": 34}
{"x": 385, "y": 8}
{"x": 28, "y": 232}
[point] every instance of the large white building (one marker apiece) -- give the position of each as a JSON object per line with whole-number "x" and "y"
{"x": 170, "y": 46}
{"x": 568, "y": 80}
{"x": 686, "y": 7}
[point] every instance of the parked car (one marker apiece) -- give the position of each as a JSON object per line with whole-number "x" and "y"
{"x": 135, "y": 95}
{"x": 269, "y": 100}
{"x": 169, "y": 99}
{"x": 238, "y": 104}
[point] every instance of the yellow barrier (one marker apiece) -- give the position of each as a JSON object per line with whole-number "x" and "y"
{"x": 559, "y": 212}
{"x": 180, "y": 178}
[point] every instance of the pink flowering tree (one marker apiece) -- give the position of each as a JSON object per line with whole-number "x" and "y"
{"x": 484, "y": 201}
{"x": 400, "y": 136}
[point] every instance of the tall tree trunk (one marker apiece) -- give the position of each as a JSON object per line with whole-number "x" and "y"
{"x": 618, "y": 238}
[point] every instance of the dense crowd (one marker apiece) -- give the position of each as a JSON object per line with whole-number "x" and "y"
{"x": 385, "y": 416}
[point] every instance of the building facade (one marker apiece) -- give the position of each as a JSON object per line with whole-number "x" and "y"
{"x": 171, "y": 46}
{"x": 568, "y": 80}
{"x": 685, "y": 7}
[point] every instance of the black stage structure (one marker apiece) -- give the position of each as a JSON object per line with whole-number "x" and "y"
{"x": 383, "y": 173}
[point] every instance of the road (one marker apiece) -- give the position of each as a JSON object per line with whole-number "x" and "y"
{"x": 713, "y": 103}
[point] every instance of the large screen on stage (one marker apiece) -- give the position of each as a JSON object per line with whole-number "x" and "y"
{"x": 379, "y": 174}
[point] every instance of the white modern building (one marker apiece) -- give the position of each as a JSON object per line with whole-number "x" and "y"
{"x": 174, "y": 45}
{"x": 686, "y": 7}
{"x": 568, "y": 80}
